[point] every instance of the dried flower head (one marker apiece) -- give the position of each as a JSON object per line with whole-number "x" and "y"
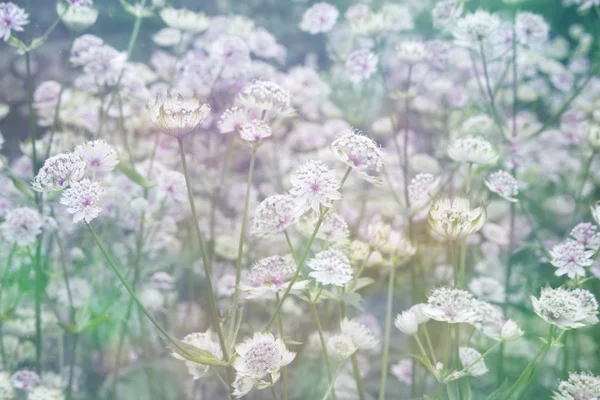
{"x": 566, "y": 309}
{"x": 455, "y": 219}
{"x": 178, "y": 117}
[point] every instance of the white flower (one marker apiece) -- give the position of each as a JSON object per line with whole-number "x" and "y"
{"x": 314, "y": 185}
{"x": 257, "y": 357}
{"x": 82, "y": 200}
{"x": 7, "y": 390}
{"x": 403, "y": 370}
{"x": 510, "y": 331}
{"x": 178, "y": 117}
{"x": 167, "y": 37}
{"x": 411, "y": 51}
{"x": 566, "y": 309}
{"x": 571, "y": 258}
{"x": 360, "y": 153}
{"x": 595, "y": 209}
{"x": 184, "y": 19}
{"x": 451, "y": 306}
{"x": 255, "y": 130}
{"x": 232, "y": 120}
{"x": 421, "y": 190}
{"x": 59, "y": 172}
{"x": 455, "y": 220}
{"x": 586, "y": 234}
{"x": 21, "y": 226}
{"x": 487, "y": 288}
{"x": 341, "y": 346}
{"x": 475, "y": 27}
{"x": 80, "y": 3}
{"x": 579, "y": 386}
{"x": 12, "y": 18}
{"x": 77, "y": 19}
{"x": 445, "y": 13}
{"x": 468, "y": 357}
{"x": 25, "y": 379}
{"x": 171, "y": 185}
{"x": 362, "y": 337}
{"x": 274, "y": 214}
{"x": 331, "y": 267}
{"x": 202, "y": 341}
{"x": 271, "y": 275}
{"x": 531, "y": 28}
{"x": 407, "y": 323}
{"x": 321, "y": 17}
{"x": 45, "y": 393}
{"x": 504, "y": 185}
{"x": 98, "y": 155}
{"x": 473, "y": 150}
{"x": 266, "y": 96}
{"x": 361, "y": 64}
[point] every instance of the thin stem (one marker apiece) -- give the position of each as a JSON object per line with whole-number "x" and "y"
{"x": 463, "y": 254}
{"x": 356, "y": 372}
{"x": 360, "y": 270}
{"x": 39, "y": 290}
{"x": 323, "y": 346}
{"x": 429, "y": 345}
{"x": 72, "y": 365}
{"x": 205, "y": 263}
{"x": 388, "y": 328}
{"x": 238, "y": 263}
{"x": 285, "y": 374}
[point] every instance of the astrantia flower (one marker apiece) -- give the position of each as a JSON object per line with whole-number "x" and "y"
{"x": 82, "y": 200}
{"x": 571, "y": 258}
{"x": 184, "y": 19}
{"x": 407, "y": 322}
{"x": 566, "y": 309}
{"x": 489, "y": 318}
{"x": 255, "y": 130}
{"x": 7, "y": 390}
{"x": 59, "y": 172}
{"x": 450, "y": 305}
{"x": 321, "y": 17}
{"x": 411, "y": 51}
{"x": 446, "y": 12}
{"x": 473, "y": 150}
{"x": 21, "y": 226}
{"x": 455, "y": 220}
{"x": 171, "y": 185}
{"x": 271, "y": 275}
{"x": 331, "y": 267}
{"x": 80, "y": 18}
{"x": 362, "y": 337}
{"x": 580, "y": 386}
{"x": 504, "y": 185}
{"x": 25, "y": 379}
{"x": 265, "y": 96}
{"x": 257, "y": 357}
{"x": 274, "y": 214}
{"x": 46, "y": 393}
{"x": 468, "y": 358}
{"x": 531, "y": 28}
{"x": 586, "y": 234}
{"x": 475, "y": 27}
{"x": 361, "y": 64}
{"x": 403, "y": 370}
{"x": 360, "y": 153}
{"x": 314, "y": 185}
{"x": 421, "y": 189}
{"x": 98, "y": 155}
{"x": 510, "y": 331}
{"x": 202, "y": 341}
{"x": 12, "y": 18}
{"x": 232, "y": 120}
{"x": 341, "y": 346}
{"x": 178, "y": 117}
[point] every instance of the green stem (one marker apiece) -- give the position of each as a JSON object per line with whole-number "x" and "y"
{"x": 238, "y": 263}
{"x": 39, "y": 290}
{"x": 356, "y": 372}
{"x": 388, "y": 328}
{"x": 429, "y": 345}
{"x": 323, "y": 346}
{"x": 463, "y": 248}
{"x": 72, "y": 365}
{"x": 284, "y": 374}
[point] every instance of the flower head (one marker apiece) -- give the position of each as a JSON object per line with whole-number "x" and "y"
{"x": 361, "y": 64}
{"x": 7, "y": 390}
{"x": 21, "y": 226}
{"x": 265, "y": 96}
{"x": 407, "y": 322}
{"x": 504, "y": 185}
{"x": 46, "y": 393}
{"x": 531, "y": 28}
{"x": 274, "y": 214}
{"x": 25, "y": 379}
{"x": 475, "y": 27}
{"x": 583, "y": 385}
{"x": 586, "y": 234}
{"x": 12, "y": 18}
{"x": 468, "y": 358}
{"x": 510, "y": 331}
{"x": 255, "y": 130}
{"x": 271, "y": 275}
{"x": 184, "y": 19}
{"x": 82, "y": 200}
{"x": 59, "y": 172}
{"x": 566, "y": 309}
{"x": 571, "y": 258}
{"x": 473, "y": 150}
{"x": 455, "y": 220}
{"x": 451, "y": 306}
{"x": 362, "y": 337}
{"x": 314, "y": 185}
{"x": 319, "y": 18}
{"x": 202, "y": 341}
{"x": 98, "y": 155}
{"x": 342, "y": 346}
{"x": 360, "y": 153}
{"x": 178, "y": 117}
{"x": 232, "y": 120}
{"x": 421, "y": 189}
{"x": 331, "y": 267}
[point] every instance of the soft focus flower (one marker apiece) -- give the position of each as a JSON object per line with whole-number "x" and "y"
{"x": 361, "y": 64}
{"x": 274, "y": 214}
{"x": 178, "y": 117}
{"x": 59, "y": 172}
{"x": 184, "y": 19}
{"x": 473, "y": 150}
{"x": 571, "y": 258}
{"x": 232, "y": 120}
{"x": 271, "y": 275}
{"x": 421, "y": 190}
{"x": 445, "y": 13}
{"x": 407, "y": 322}
{"x": 45, "y": 393}
{"x": 583, "y": 385}
{"x": 586, "y": 234}
{"x": 82, "y": 200}
{"x": 256, "y": 357}
{"x": 455, "y": 220}
{"x": 341, "y": 346}
{"x": 566, "y": 309}
{"x": 510, "y": 331}
{"x": 98, "y": 155}
{"x": 12, "y": 18}
{"x": 255, "y": 130}
{"x": 21, "y": 226}
{"x": 411, "y": 51}
{"x": 265, "y": 96}
{"x": 25, "y": 379}
{"x": 362, "y": 337}
{"x": 171, "y": 186}
{"x": 7, "y": 390}
{"x": 78, "y": 19}
{"x": 450, "y": 305}
{"x": 319, "y": 18}
{"x": 531, "y": 28}
{"x": 475, "y": 27}
{"x": 331, "y": 267}
{"x": 314, "y": 185}
{"x": 504, "y": 185}
{"x": 403, "y": 370}
{"x": 487, "y": 288}
{"x": 202, "y": 341}
{"x": 468, "y": 358}
{"x": 360, "y": 153}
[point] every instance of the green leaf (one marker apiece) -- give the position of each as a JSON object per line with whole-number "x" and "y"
{"x": 21, "y": 185}
{"x": 353, "y": 299}
{"x": 192, "y": 353}
{"x": 37, "y": 42}
{"x": 134, "y": 176}
{"x": 465, "y": 388}
{"x": 361, "y": 283}
{"x": 15, "y": 42}
{"x": 453, "y": 391}
{"x": 498, "y": 392}
{"x": 82, "y": 319}
{"x": 71, "y": 328}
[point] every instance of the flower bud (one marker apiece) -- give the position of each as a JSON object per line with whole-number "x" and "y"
{"x": 510, "y": 331}
{"x": 407, "y": 323}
